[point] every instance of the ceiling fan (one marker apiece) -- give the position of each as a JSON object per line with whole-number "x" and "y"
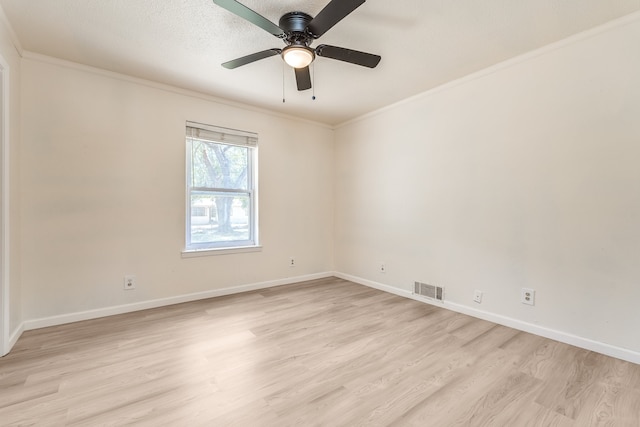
{"x": 298, "y": 30}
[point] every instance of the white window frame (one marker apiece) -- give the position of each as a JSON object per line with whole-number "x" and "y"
{"x": 223, "y": 136}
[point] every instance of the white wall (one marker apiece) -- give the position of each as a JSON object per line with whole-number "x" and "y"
{"x": 12, "y": 58}
{"x": 524, "y": 176}
{"x": 102, "y": 192}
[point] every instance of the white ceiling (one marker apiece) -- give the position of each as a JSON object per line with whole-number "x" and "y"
{"x": 423, "y": 44}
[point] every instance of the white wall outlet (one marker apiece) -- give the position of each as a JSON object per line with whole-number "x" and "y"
{"x": 129, "y": 282}
{"x": 292, "y": 262}
{"x": 528, "y": 296}
{"x": 477, "y": 296}
{"x": 383, "y": 268}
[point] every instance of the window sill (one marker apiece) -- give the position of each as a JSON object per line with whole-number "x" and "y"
{"x": 193, "y": 253}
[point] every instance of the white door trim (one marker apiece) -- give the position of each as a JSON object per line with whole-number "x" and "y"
{"x": 5, "y": 318}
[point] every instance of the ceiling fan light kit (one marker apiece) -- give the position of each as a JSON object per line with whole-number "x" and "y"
{"x": 298, "y": 30}
{"x": 298, "y": 56}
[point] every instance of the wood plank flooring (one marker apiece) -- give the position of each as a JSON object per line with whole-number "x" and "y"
{"x": 322, "y": 353}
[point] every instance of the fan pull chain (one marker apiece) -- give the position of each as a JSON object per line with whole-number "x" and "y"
{"x": 313, "y": 78}
{"x": 283, "y": 82}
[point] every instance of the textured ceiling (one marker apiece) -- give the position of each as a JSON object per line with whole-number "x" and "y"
{"x": 423, "y": 43}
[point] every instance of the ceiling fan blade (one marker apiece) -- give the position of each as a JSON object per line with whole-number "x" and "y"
{"x": 331, "y": 15}
{"x": 348, "y": 55}
{"x": 238, "y": 62}
{"x": 303, "y": 78}
{"x": 244, "y": 12}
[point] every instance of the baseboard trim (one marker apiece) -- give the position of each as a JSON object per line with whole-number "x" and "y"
{"x": 161, "y": 302}
{"x": 577, "y": 341}
{"x": 15, "y": 336}
{"x": 586, "y": 343}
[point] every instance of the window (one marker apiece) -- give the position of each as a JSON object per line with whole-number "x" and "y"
{"x": 221, "y": 190}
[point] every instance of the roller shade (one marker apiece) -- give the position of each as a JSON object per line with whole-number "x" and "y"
{"x": 223, "y": 135}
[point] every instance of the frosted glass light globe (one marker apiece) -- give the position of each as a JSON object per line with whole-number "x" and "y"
{"x": 298, "y": 56}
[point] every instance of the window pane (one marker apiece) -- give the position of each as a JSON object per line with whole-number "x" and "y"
{"x": 219, "y": 218}
{"x": 219, "y": 165}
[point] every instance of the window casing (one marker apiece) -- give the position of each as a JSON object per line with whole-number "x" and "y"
{"x": 221, "y": 188}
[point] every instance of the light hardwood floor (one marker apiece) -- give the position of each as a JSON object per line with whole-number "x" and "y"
{"x": 327, "y": 352}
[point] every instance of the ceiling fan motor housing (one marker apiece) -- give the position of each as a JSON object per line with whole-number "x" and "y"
{"x": 295, "y": 25}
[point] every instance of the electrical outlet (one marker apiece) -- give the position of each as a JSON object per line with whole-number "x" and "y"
{"x": 383, "y": 268}
{"x": 528, "y": 296}
{"x": 129, "y": 282}
{"x": 292, "y": 262}
{"x": 477, "y": 296}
